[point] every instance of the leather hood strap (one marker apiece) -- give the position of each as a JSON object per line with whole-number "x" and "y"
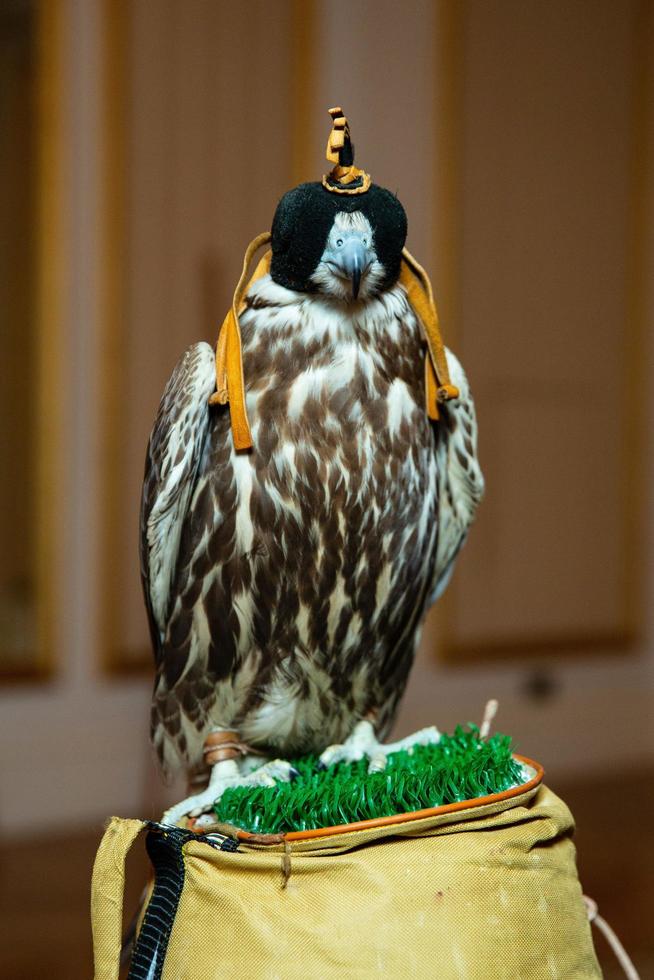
{"x": 438, "y": 387}
{"x": 230, "y": 382}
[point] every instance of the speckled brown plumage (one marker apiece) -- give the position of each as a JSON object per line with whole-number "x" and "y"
{"x": 286, "y": 586}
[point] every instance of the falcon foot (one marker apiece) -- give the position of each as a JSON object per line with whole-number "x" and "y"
{"x": 363, "y": 744}
{"x": 226, "y": 775}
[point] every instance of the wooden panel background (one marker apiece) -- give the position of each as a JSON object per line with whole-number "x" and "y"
{"x": 32, "y": 256}
{"x": 548, "y": 285}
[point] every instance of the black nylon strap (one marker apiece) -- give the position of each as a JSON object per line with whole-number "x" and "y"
{"x": 165, "y": 847}
{"x": 165, "y": 852}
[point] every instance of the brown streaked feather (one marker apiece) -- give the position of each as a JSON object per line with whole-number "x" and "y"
{"x": 174, "y": 451}
{"x": 304, "y": 568}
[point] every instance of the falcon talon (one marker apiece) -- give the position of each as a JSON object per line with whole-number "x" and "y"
{"x": 204, "y": 820}
{"x": 377, "y": 764}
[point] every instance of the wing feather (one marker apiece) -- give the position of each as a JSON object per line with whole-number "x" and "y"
{"x": 461, "y": 482}
{"x": 174, "y": 452}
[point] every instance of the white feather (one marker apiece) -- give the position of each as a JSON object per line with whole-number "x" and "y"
{"x": 461, "y": 484}
{"x": 179, "y": 450}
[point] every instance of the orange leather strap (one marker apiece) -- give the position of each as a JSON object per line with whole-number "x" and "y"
{"x": 438, "y": 387}
{"x": 230, "y": 383}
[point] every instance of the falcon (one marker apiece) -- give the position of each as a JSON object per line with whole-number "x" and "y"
{"x": 307, "y": 489}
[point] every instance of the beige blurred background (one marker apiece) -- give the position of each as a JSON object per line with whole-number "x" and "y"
{"x": 143, "y": 144}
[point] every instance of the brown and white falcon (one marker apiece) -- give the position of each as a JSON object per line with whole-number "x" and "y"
{"x": 286, "y": 585}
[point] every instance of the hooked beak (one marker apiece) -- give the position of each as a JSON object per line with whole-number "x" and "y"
{"x": 353, "y": 260}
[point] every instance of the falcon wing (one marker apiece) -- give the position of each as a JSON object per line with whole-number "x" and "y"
{"x": 171, "y": 465}
{"x": 461, "y": 483}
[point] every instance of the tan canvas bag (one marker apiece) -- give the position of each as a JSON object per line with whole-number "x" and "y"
{"x": 481, "y": 893}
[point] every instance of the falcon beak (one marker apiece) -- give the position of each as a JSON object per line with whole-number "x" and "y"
{"x": 353, "y": 260}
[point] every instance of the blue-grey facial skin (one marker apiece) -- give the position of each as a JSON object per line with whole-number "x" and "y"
{"x": 349, "y": 254}
{"x": 349, "y": 270}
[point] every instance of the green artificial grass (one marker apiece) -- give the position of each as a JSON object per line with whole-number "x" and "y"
{"x": 460, "y": 767}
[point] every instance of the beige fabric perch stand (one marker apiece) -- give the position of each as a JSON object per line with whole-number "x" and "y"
{"x": 484, "y": 889}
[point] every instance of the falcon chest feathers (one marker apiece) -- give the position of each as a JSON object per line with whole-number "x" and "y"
{"x": 286, "y": 585}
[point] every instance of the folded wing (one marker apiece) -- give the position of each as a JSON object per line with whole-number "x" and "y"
{"x": 174, "y": 453}
{"x": 461, "y": 483}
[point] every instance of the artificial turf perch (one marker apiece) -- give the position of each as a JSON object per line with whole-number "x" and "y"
{"x": 461, "y": 766}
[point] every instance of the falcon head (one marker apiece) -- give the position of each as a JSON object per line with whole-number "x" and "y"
{"x": 345, "y": 248}
{"x": 349, "y": 265}
{"x": 342, "y": 237}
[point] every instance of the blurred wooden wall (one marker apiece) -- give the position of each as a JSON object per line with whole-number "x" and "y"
{"x": 18, "y": 337}
{"x": 554, "y": 168}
